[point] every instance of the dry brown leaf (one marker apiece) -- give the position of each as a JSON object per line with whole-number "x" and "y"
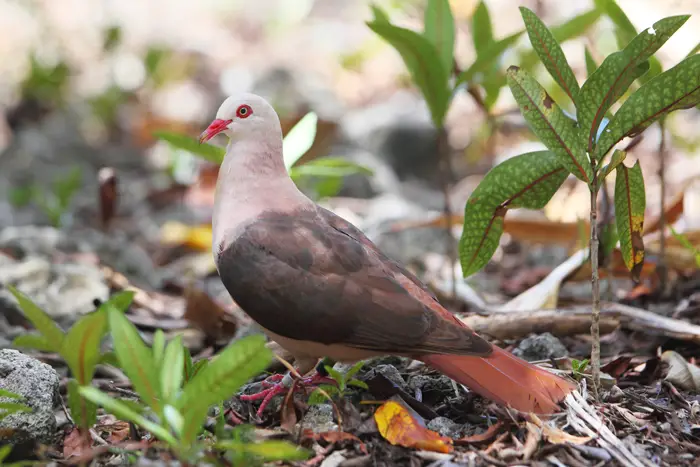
{"x": 335, "y": 437}
{"x": 207, "y": 315}
{"x": 487, "y": 435}
{"x": 556, "y": 436}
{"x": 398, "y": 426}
{"x": 76, "y": 444}
{"x": 681, "y": 373}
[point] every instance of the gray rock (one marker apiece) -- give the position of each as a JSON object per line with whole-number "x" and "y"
{"x": 389, "y": 372}
{"x": 540, "y": 347}
{"x": 445, "y": 427}
{"x": 319, "y": 418}
{"x": 63, "y": 290}
{"x": 38, "y": 383}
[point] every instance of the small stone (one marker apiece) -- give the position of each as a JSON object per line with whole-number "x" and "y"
{"x": 540, "y": 347}
{"x": 319, "y": 418}
{"x": 37, "y": 383}
{"x": 389, "y": 372}
{"x": 445, "y": 427}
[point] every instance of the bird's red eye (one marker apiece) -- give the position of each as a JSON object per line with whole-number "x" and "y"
{"x": 244, "y": 111}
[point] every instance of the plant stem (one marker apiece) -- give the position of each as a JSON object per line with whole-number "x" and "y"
{"x": 595, "y": 282}
{"x": 446, "y": 180}
{"x": 661, "y": 267}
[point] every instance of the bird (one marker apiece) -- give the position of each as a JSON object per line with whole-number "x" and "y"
{"x": 320, "y": 288}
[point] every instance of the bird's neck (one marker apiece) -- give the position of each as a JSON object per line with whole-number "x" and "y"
{"x": 252, "y": 179}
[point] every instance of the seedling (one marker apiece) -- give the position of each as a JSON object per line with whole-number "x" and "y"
{"x": 79, "y": 347}
{"x": 580, "y": 146}
{"x": 175, "y": 396}
{"x": 329, "y": 392}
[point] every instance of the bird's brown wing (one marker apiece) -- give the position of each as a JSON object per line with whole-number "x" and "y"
{"x": 306, "y": 276}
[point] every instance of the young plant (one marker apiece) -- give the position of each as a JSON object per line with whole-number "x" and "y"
{"x": 327, "y": 392}
{"x": 175, "y": 395}
{"x": 430, "y": 60}
{"x": 578, "y": 367}
{"x": 581, "y": 146}
{"x": 54, "y": 202}
{"x": 324, "y": 176}
{"x": 79, "y": 347}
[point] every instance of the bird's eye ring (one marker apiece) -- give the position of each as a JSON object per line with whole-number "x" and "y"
{"x": 244, "y": 111}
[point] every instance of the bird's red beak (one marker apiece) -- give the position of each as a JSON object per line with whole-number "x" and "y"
{"x": 214, "y": 128}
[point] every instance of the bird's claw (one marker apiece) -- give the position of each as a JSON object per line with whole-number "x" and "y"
{"x": 275, "y": 385}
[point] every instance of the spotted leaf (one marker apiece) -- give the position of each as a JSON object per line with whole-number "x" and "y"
{"x": 630, "y": 202}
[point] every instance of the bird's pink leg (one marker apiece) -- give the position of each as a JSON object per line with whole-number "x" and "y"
{"x": 279, "y": 384}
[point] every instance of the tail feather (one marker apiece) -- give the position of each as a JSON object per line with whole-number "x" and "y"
{"x": 506, "y": 379}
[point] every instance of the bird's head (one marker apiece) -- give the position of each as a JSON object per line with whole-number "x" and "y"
{"x": 243, "y": 116}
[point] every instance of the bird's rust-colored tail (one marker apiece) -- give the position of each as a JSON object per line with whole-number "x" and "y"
{"x": 506, "y": 379}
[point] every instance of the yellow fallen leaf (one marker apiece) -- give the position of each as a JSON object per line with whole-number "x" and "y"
{"x": 556, "y": 436}
{"x": 396, "y": 424}
{"x": 196, "y": 237}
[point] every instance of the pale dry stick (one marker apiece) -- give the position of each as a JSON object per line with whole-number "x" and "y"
{"x": 582, "y": 417}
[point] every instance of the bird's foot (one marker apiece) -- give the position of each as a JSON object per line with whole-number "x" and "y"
{"x": 280, "y": 384}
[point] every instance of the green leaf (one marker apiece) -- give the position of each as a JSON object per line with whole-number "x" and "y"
{"x": 576, "y": 26}
{"x": 358, "y": 384}
{"x": 208, "y": 152}
{"x": 379, "y": 14}
{"x": 694, "y": 50}
{"x": 172, "y": 369}
{"x": 109, "y": 358}
{"x": 83, "y": 411}
{"x": 4, "y": 452}
{"x": 617, "y": 158}
{"x": 299, "y": 139}
{"x": 550, "y": 53}
{"x": 41, "y": 321}
{"x": 687, "y": 244}
{"x": 267, "y": 451}
{"x": 591, "y": 65}
{"x": 675, "y": 89}
{"x": 81, "y": 347}
{"x": 124, "y": 412}
{"x": 328, "y": 167}
{"x": 321, "y": 394}
{"x": 354, "y": 369}
{"x": 630, "y": 202}
{"x": 135, "y": 358}
{"x": 336, "y": 375}
{"x": 557, "y": 131}
{"x": 188, "y": 367}
{"x": 33, "y": 341}
{"x": 568, "y": 30}
{"x": 235, "y": 365}
{"x": 490, "y": 56}
{"x": 12, "y": 407}
{"x": 617, "y": 72}
{"x": 528, "y": 180}
{"x": 423, "y": 62}
{"x": 440, "y": 31}
{"x": 482, "y": 31}
{"x": 158, "y": 347}
{"x": 9, "y": 394}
